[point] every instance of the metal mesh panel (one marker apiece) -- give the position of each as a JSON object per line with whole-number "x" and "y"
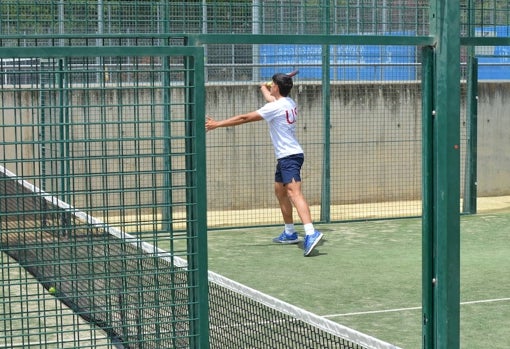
{"x": 258, "y": 17}
{"x": 485, "y": 15}
{"x": 115, "y": 135}
{"x": 375, "y": 123}
{"x": 54, "y": 109}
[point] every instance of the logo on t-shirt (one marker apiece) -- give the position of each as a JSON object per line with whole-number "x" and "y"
{"x": 291, "y": 115}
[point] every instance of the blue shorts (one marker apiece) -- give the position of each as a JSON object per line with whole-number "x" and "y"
{"x": 289, "y": 168}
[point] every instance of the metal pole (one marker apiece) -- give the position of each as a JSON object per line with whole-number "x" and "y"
{"x": 204, "y": 31}
{"x": 325, "y": 212}
{"x": 384, "y": 16}
{"x": 100, "y": 30}
{"x": 427, "y": 79}
{"x": 445, "y": 27}
{"x": 358, "y": 17}
{"x": 61, "y": 21}
{"x": 470, "y": 171}
{"x": 256, "y": 29}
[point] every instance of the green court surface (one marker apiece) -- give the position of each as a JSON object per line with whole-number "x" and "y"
{"x": 367, "y": 275}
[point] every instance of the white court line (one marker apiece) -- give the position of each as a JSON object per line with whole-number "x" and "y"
{"x": 413, "y": 308}
{"x": 486, "y": 301}
{"x": 372, "y": 312}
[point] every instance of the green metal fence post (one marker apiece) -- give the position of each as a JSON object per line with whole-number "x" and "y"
{"x": 325, "y": 213}
{"x": 201, "y": 190}
{"x": 445, "y": 26}
{"x": 470, "y": 173}
{"x": 196, "y": 193}
{"x": 427, "y": 196}
{"x": 64, "y": 133}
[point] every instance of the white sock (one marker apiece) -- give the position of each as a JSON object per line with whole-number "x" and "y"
{"x": 309, "y": 229}
{"x": 289, "y": 229}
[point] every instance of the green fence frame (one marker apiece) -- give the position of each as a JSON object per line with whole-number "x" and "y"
{"x": 441, "y": 160}
{"x": 325, "y": 41}
{"x": 196, "y": 210}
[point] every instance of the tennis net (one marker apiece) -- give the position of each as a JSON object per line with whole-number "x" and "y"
{"x": 139, "y": 294}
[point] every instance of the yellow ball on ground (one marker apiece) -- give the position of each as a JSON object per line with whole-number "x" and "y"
{"x": 52, "y": 290}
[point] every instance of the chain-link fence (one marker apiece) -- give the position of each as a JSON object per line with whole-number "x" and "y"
{"x": 83, "y": 125}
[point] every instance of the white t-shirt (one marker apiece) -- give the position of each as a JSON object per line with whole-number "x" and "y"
{"x": 281, "y": 116}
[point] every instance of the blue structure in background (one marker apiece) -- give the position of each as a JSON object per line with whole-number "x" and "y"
{"x": 348, "y": 62}
{"x": 285, "y": 58}
{"x": 379, "y": 63}
{"x": 376, "y": 63}
{"x": 493, "y": 61}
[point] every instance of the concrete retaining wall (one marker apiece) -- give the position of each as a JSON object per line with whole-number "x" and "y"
{"x": 375, "y": 142}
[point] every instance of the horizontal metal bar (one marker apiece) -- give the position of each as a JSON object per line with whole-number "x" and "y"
{"x": 94, "y": 51}
{"x": 279, "y": 39}
{"x": 200, "y": 39}
{"x": 485, "y": 41}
